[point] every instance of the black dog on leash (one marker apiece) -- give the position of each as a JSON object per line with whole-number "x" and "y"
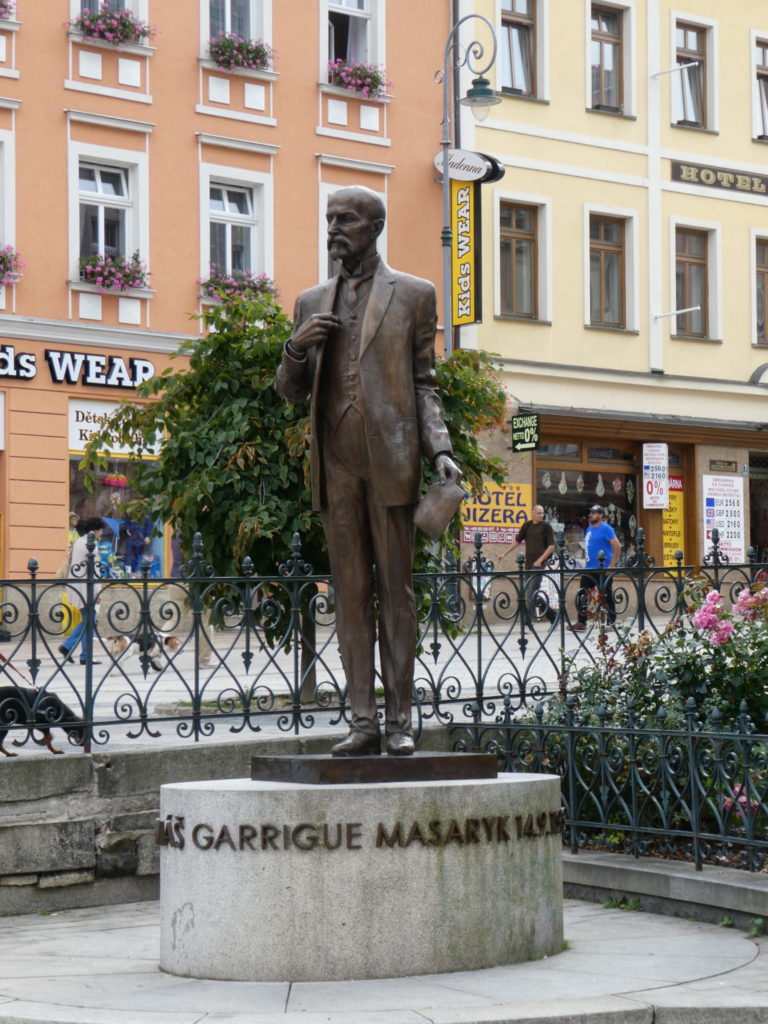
{"x": 16, "y": 708}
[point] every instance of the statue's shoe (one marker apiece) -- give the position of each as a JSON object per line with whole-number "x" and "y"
{"x": 357, "y": 744}
{"x": 400, "y": 744}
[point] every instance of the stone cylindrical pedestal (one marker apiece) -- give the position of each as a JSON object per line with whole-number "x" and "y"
{"x": 266, "y": 881}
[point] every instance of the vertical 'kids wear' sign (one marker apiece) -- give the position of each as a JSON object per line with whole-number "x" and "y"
{"x": 465, "y": 253}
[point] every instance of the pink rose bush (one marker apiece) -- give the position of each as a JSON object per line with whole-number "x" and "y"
{"x": 709, "y": 619}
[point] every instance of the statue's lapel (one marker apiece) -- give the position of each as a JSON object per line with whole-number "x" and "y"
{"x": 378, "y": 300}
{"x": 328, "y": 296}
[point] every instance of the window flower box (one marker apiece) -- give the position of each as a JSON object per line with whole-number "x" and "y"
{"x": 117, "y": 27}
{"x": 113, "y": 273}
{"x": 7, "y": 9}
{"x": 11, "y": 265}
{"x": 241, "y": 284}
{"x": 229, "y": 51}
{"x": 367, "y": 80}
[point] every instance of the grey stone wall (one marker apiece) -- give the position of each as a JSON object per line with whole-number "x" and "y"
{"x": 78, "y": 830}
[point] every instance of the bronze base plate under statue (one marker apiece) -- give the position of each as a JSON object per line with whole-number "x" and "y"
{"x": 319, "y": 769}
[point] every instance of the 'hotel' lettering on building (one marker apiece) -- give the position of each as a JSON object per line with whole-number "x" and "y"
{"x": 718, "y": 177}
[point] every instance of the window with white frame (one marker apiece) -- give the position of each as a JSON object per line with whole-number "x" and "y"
{"x": 607, "y": 273}
{"x": 137, "y": 7}
{"x": 518, "y": 259}
{"x": 606, "y": 57}
{"x": 108, "y": 203}
{"x": 348, "y": 30}
{"x": 231, "y": 17}
{"x": 689, "y": 93}
{"x": 105, "y": 206}
{"x": 94, "y": 6}
{"x": 761, "y": 84}
{"x": 232, "y": 228}
{"x": 523, "y": 247}
{"x": 692, "y": 282}
{"x": 517, "y": 45}
{"x": 236, "y": 223}
{"x": 761, "y": 290}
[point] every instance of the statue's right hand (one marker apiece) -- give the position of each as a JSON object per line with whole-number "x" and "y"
{"x": 313, "y": 331}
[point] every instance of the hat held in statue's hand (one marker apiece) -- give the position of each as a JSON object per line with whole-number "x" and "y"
{"x": 438, "y": 507}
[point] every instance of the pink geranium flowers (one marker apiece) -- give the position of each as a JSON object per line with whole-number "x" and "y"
{"x": 113, "y": 273}
{"x": 368, "y": 80}
{"x": 11, "y": 265}
{"x": 228, "y": 50}
{"x": 7, "y": 8}
{"x": 118, "y": 27}
{"x": 240, "y": 284}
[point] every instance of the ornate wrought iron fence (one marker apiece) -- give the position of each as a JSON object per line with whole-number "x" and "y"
{"x": 205, "y": 654}
{"x": 696, "y": 792}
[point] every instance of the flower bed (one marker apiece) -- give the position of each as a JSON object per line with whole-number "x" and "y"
{"x": 242, "y": 284}
{"x": 118, "y": 27}
{"x": 228, "y": 51}
{"x": 367, "y": 80}
{"x": 113, "y": 273}
{"x": 11, "y": 265}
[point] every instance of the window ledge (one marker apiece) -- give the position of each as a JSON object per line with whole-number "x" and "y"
{"x": 611, "y": 113}
{"x": 610, "y": 329}
{"x": 521, "y": 96}
{"x": 351, "y": 94}
{"x": 760, "y": 138}
{"x": 9, "y": 25}
{"x": 104, "y": 44}
{"x": 694, "y": 128}
{"x": 693, "y": 337}
{"x": 263, "y": 74}
{"x": 128, "y": 293}
{"x": 522, "y": 319}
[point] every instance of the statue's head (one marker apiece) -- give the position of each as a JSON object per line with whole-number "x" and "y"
{"x": 355, "y": 218}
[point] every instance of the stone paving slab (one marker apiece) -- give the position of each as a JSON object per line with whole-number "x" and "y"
{"x": 99, "y": 966}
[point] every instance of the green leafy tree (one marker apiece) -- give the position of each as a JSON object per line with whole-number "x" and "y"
{"x": 232, "y": 463}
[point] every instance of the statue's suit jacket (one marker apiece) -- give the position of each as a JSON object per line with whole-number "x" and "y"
{"x": 402, "y": 411}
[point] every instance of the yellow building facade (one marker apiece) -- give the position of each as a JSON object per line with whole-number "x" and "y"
{"x": 157, "y": 147}
{"x": 625, "y": 261}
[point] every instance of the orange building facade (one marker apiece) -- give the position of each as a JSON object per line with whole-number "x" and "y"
{"x": 151, "y": 148}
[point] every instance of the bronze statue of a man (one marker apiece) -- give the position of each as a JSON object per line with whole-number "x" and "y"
{"x": 363, "y": 349}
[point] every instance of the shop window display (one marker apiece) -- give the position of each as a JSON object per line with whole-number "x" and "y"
{"x": 567, "y": 494}
{"x": 126, "y": 541}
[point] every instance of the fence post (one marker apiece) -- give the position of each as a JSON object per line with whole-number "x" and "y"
{"x": 34, "y": 618}
{"x": 693, "y": 779}
{"x": 294, "y": 568}
{"x": 570, "y": 746}
{"x": 478, "y": 572}
{"x": 249, "y": 620}
{"x": 89, "y": 620}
